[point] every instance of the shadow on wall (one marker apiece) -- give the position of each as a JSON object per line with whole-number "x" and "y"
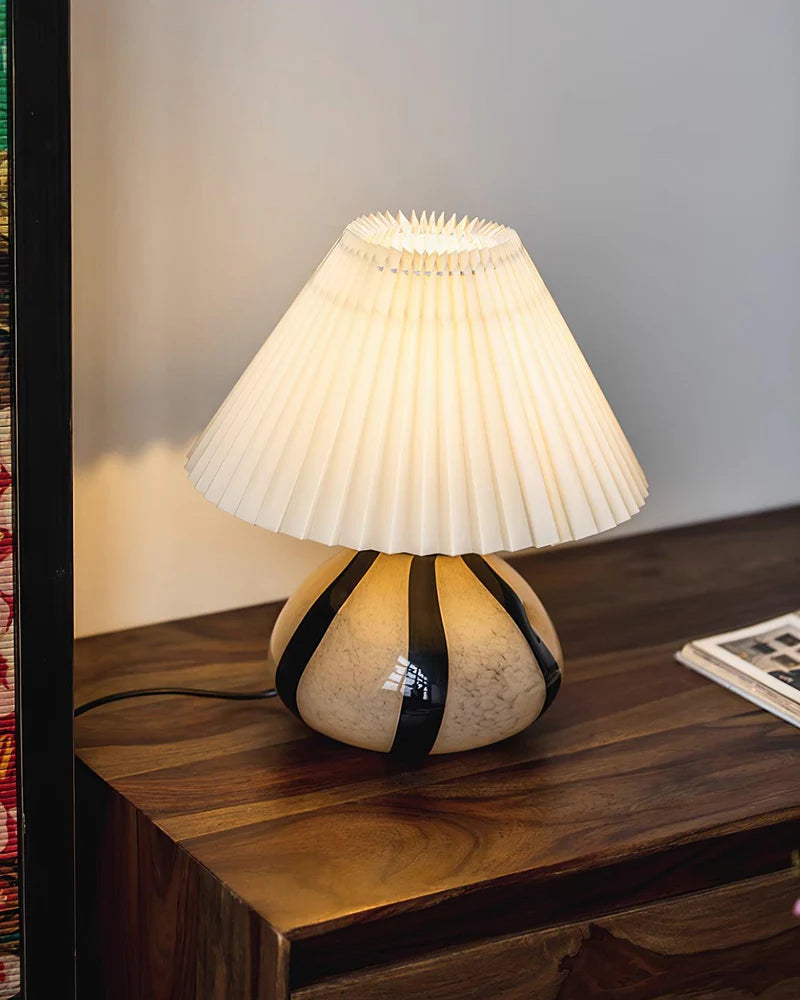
{"x": 148, "y": 547}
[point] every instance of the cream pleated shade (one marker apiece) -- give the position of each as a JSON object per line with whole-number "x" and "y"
{"x": 422, "y": 394}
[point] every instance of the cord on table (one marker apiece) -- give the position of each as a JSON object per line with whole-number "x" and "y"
{"x": 190, "y": 692}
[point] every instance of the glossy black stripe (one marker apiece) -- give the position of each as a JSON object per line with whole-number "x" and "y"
{"x": 425, "y": 684}
{"x": 308, "y": 634}
{"x": 506, "y": 596}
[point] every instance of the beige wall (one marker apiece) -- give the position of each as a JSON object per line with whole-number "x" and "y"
{"x": 647, "y": 153}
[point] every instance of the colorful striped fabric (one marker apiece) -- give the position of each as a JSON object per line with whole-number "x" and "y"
{"x": 9, "y": 863}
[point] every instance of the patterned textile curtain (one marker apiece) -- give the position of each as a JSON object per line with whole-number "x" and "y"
{"x": 9, "y": 903}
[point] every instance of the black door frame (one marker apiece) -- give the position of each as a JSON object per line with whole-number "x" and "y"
{"x": 39, "y": 148}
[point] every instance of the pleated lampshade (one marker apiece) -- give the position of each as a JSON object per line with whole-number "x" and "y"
{"x": 422, "y": 394}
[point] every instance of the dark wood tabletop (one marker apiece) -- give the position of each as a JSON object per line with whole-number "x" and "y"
{"x": 642, "y": 782}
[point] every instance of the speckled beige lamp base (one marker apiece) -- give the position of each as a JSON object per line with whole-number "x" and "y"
{"x": 416, "y": 654}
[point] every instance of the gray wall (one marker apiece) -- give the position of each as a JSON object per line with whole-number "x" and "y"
{"x": 647, "y": 153}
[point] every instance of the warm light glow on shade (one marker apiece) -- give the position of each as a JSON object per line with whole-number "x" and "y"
{"x": 422, "y": 394}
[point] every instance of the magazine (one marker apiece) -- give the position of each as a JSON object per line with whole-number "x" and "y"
{"x": 760, "y": 663}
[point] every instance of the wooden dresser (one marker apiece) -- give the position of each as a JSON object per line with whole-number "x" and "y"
{"x": 635, "y": 844}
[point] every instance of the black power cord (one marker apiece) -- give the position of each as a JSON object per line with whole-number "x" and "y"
{"x": 191, "y": 692}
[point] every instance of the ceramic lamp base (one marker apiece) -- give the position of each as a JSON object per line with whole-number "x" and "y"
{"x": 416, "y": 654}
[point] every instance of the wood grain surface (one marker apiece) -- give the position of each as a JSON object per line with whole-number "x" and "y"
{"x": 160, "y": 926}
{"x": 680, "y": 949}
{"x": 642, "y": 782}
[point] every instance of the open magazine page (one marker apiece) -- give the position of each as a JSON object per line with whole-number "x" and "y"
{"x": 761, "y": 663}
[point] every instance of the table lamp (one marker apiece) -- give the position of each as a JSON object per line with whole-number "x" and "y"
{"x": 423, "y": 404}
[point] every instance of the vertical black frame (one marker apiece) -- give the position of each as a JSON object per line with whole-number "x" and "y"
{"x": 39, "y": 141}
